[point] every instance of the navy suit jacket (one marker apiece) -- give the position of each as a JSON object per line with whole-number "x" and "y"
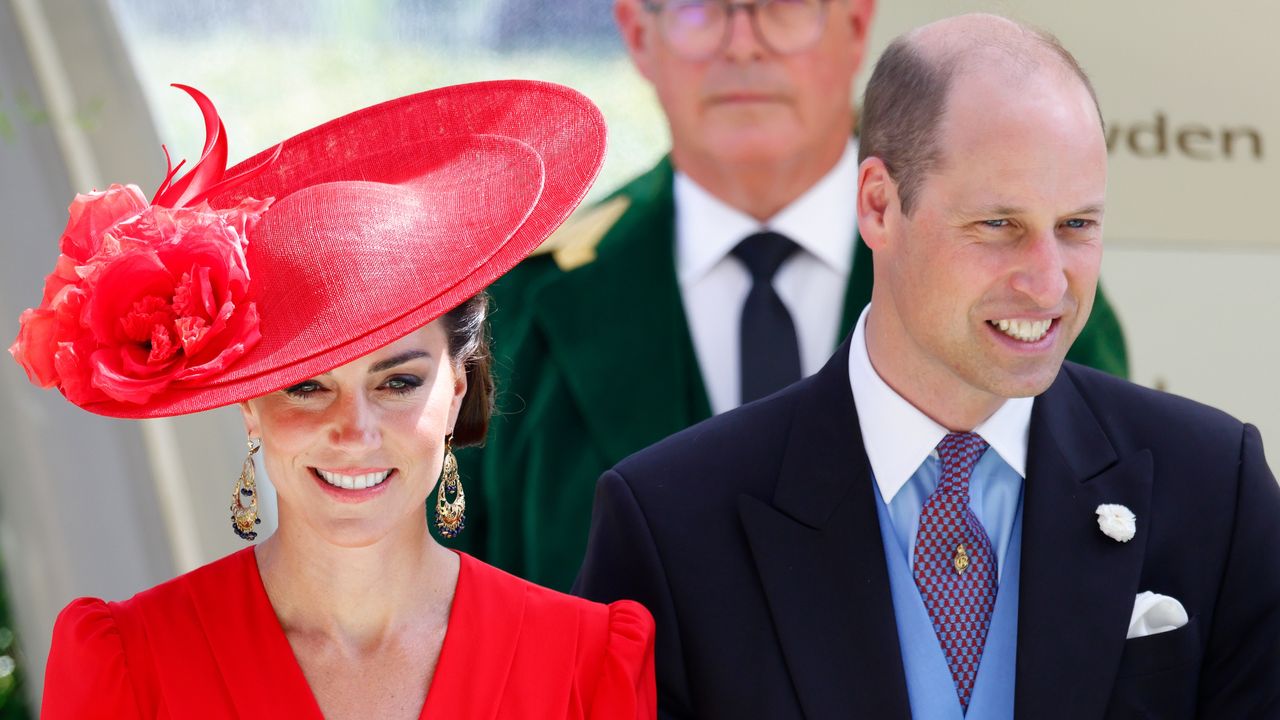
{"x": 753, "y": 539}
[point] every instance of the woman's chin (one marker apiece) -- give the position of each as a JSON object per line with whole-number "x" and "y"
{"x": 353, "y": 533}
{"x": 354, "y": 527}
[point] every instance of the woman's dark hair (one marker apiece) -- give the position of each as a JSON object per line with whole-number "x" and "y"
{"x": 468, "y": 331}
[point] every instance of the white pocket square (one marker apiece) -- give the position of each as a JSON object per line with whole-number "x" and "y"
{"x": 1154, "y": 613}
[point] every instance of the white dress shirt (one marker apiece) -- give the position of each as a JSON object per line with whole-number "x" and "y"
{"x": 811, "y": 283}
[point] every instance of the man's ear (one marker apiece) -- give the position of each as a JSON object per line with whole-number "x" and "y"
{"x": 858, "y": 14}
{"x": 877, "y": 197}
{"x": 638, "y": 34}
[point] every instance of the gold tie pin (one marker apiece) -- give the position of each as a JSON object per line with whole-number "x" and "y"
{"x": 961, "y": 561}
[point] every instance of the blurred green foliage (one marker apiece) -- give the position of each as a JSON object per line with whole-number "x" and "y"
{"x": 13, "y": 702}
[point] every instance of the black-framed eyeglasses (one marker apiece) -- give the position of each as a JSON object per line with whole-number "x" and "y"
{"x": 699, "y": 29}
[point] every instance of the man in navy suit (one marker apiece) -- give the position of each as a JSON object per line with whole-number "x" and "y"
{"x": 947, "y": 520}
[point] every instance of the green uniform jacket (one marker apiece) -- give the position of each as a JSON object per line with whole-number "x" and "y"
{"x": 594, "y": 361}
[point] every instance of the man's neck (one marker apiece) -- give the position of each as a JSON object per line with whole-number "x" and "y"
{"x": 932, "y": 389}
{"x": 757, "y": 188}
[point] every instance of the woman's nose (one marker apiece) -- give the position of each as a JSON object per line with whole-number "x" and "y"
{"x": 354, "y": 423}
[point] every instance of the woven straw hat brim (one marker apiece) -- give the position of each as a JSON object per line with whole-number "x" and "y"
{"x": 387, "y": 218}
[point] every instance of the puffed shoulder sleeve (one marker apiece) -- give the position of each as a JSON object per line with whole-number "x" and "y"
{"x": 87, "y": 676}
{"x": 626, "y": 688}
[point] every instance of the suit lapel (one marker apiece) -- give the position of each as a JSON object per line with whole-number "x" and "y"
{"x": 1078, "y": 585}
{"x": 617, "y": 331}
{"x": 821, "y": 561}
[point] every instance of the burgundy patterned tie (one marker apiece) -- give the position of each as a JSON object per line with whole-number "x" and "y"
{"x": 955, "y": 567}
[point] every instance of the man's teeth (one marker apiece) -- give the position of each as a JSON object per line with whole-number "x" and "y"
{"x": 353, "y": 482}
{"x": 1024, "y": 330}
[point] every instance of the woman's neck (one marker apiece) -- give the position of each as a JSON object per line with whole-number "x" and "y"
{"x": 357, "y": 597}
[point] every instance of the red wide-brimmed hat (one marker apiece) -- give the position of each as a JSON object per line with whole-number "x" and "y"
{"x": 231, "y": 284}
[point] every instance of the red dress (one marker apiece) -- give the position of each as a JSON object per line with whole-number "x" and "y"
{"x": 208, "y": 645}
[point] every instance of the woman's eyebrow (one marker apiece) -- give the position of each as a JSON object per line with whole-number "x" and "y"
{"x": 403, "y": 357}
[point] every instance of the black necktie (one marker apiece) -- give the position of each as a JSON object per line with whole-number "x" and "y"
{"x": 770, "y": 350}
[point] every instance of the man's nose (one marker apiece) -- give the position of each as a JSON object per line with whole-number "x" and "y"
{"x": 1041, "y": 273}
{"x": 743, "y": 42}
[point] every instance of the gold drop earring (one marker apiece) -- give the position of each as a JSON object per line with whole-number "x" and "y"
{"x": 451, "y": 517}
{"x": 244, "y": 498}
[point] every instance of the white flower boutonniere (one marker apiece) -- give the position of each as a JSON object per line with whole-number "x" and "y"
{"x": 1117, "y": 522}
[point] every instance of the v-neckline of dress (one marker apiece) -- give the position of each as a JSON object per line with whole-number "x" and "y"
{"x": 262, "y": 683}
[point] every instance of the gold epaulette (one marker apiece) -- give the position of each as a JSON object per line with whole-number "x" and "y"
{"x": 574, "y": 243}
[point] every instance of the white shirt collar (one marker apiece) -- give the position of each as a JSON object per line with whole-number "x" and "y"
{"x": 822, "y": 221}
{"x": 898, "y": 437}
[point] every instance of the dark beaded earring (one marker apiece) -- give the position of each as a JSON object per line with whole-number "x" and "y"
{"x": 244, "y": 498}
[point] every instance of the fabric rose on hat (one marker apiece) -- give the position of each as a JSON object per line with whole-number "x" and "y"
{"x": 141, "y": 298}
{"x": 91, "y": 215}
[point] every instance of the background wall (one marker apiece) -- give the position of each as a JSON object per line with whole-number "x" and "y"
{"x": 90, "y": 506}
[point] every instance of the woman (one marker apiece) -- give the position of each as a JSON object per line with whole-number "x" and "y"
{"x": 329, "y": 287}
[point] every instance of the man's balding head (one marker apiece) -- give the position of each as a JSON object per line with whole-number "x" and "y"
{"x": 906, "y": 98}
{"x": 981, "y": 196}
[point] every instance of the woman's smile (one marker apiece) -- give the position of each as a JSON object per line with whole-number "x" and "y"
{"x": 355, "y": 478}
{"x": 353, "y": 485}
